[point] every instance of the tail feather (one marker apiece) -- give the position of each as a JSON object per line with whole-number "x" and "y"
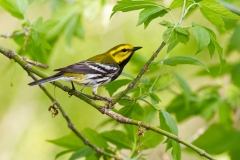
{"x": 45, "y": 80}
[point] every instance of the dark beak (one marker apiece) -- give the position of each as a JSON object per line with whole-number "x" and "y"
{"x": 136, "y": 48}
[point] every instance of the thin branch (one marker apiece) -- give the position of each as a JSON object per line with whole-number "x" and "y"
{"x": 12, "y": 55}
{"x": 35, "y": 63}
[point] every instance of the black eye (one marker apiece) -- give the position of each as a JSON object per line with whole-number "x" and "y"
{"x": 124, "y": 50}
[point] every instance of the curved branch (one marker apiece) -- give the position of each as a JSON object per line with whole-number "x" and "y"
{"x": 12, "y": 55}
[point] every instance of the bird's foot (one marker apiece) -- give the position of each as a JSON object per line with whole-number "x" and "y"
{"x": 70, "y": 92}
{"x": 106, "y": 99}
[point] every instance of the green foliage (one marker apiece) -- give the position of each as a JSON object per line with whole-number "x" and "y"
{"x": 167, "y": 123}
{"x": 216, "y": 102}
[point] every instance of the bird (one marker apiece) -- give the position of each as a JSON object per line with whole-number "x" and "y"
{"x": 95, "y": 71}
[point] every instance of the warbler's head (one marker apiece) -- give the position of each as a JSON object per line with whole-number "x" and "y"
{"x": 122, "y": 53}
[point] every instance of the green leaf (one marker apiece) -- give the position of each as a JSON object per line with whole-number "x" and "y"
{"x": 219, "y": 138}
{"x": 167, "y": 123}
{"x": 167, "y": 24}
{"x": 115, "y": 85}
{"x": 182, "y": 31}
{"x": 62, "y": 153}
{"x": 154, "y": 16}
{"x": 47, "y": 25}
{"x": 127, "y": 75}
{"x": 212, "y": 10}
{"x": 169, "y": 36}
{"x": 179, "y": 3}
{"x": 216, "y": 7}
{"x": 118, "y": 138}
{"x": 151, "y": 139}
{"x": 128, "y": 5}
{"x": 234, "y": 41}
{"x": 174, "y": 61}
{"x": 94, "y": 138}
{"x": 225, "y": 114}
{"x": 16, "y": 8}
{"x": 164, "y": 81}
{"x": 186, "y": 89}
{"x": 172, "y": 45}
{"x": 70, "y": 141}
{"x": 202, "y": 36}
{"x": 212, "y": 17}
{"x": 147, "y": 12}
{"x": 211, "y": 48}
{"x": 83, "y": 152}
{"x": 154, "y": 98}
{"x": 183, "y": 38}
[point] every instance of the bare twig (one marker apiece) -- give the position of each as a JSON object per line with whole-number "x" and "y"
{"x": 35, "y": 63}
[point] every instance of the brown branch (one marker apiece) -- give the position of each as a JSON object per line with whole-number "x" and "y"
{"x": 12, "y": 55}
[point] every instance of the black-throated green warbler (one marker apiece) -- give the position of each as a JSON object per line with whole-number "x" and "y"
{"x": 95, "y": 71}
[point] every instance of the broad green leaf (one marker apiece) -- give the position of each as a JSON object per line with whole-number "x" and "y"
{"x": 202, "y": 36}
{"x": 219, "y": 138}
{"x": 94, "y": 138}
{"x": 186, "y": 89}
{"x": 70, "y": 141}
{"x": 174, "y": 61}
{"x": 225, "y": 114}
{"x": 115, "y": 85}
{"x": 211, "y": 48}
{"x": 167, "y": 24}
{"x": 172, "y": 45}
{"x": 234, "y": 41}
{"x": 47, "y": 25}
{"x": 164, "y": 81}
{"x": 147, "y": 12}
{"x": 118, "y": 138}
{"x": 179, "y": 3}
{"x": 178, "y": 107}
{"x": 128, "y": 5}
{"x": 154, "y": 16}
{"x": 167, "y": 123}
{"x": 83, "y": 152}
{"x": 62, "y": 153}
{"x": 151, "y": 139}
{"x": 219, "y": 51}
{"x": 212, "y": 17}
{"x": 169, "y": 36}
{"x": 182, "y": 31}
{"x": 16, "y": 8}
{"x": 183, "y": 38}
{"x": 127, "y": 75}
{"x": 154, "y": 98}
{"x": 216, "y": 7}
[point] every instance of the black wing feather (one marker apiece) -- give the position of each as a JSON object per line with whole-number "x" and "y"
{"x": 87, "y": 67}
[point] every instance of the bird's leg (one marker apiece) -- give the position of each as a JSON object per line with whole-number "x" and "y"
{"x": 70, "y": 91}
{"x": 94, "y": 92}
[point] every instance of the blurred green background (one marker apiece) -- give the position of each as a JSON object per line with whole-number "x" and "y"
{"x": 26, "y": 123}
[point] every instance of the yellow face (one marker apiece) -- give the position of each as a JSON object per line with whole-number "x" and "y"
{"x": 121, "y": 52}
